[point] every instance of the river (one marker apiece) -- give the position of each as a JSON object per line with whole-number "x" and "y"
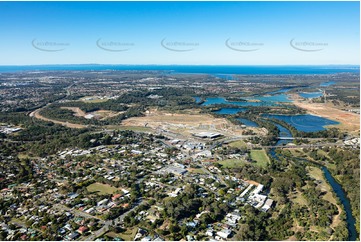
{"x": 344, "y": 201}
{"x": 336, "y": 187}
{"x": 306, "y": 123}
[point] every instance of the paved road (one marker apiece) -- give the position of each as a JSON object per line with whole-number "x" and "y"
{"x": 299, "y": 146}
{"x": 108, "y": 223}
{"x": 77, "y": 212}
{"x": 13, "y": 141}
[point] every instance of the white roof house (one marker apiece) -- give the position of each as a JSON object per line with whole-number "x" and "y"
{"x": 267, "y": 205}
{"x": 225, "y": 233}
{"x": 102, "y": 202}
{"x": 258, "y": 189}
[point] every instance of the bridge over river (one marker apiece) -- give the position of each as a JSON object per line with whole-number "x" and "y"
{"x": 286, "y": 138}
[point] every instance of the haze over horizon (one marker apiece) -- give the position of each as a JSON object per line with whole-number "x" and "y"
{"x": 180, "y": 33}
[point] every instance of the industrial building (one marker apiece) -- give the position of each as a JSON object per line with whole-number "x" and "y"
{"x": 209, "y": 135}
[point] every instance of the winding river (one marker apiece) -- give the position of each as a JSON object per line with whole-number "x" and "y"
{"x": 340, "y": 193}
{"x": 344, "y": 201}
{"x": 314, "y": 124}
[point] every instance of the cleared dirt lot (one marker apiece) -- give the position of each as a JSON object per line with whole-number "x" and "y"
{"x": 101, "y": 114}
{"x": 184, "y": 123}
{"x": 104, "y": 114}
{"x": 77, "y": 111}
{"x": 154, "y": 118}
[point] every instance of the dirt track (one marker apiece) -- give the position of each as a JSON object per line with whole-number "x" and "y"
{"x": 37, "y": 115}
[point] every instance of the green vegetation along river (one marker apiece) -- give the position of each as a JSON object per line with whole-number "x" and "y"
{"x": 336, "y": 187}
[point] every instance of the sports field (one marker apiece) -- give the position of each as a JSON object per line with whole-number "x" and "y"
{"x": 260, "y": 157}
{"x": 102, "y": 189}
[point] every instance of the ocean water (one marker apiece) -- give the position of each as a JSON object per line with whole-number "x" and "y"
{"x": 200, "y": 69}
{"x": 305, "y": 122}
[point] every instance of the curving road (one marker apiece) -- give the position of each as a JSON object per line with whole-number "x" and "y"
{"x": 108, "y": 223}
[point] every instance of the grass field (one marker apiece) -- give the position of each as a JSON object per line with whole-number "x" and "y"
{"x": 127, "y": 235}
{"x": 196, "y": 170}
{"x": 22, "y": 156}
{"x": 317, "y": 174}
{"x": 298, "y": 153}
{"x": 301, "y": 154}
{"x": 298, "y": 198}
{"x": 238, "y": 144}
{"x": 102, "y": 188}
{"x": 260, "y": 157}
{"x": 232, "y": 163}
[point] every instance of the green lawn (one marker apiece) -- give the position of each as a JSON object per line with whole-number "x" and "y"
{"x": 260, "y": 157}
{"x": 298, "y": 198}
{"x": 297, "y": 152}
{"x": 317, "y": 174}
{"x": 232, "y": 163}
{"x": 196, "y": 170}
{"x": 238, "y": 144}
{"x": 22, "y": 156}
{"x": 129, "y": 234}
{"x": 102, "y": 188}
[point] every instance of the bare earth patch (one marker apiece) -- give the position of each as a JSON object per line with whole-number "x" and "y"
{"x": 155, "y": 117}
{"x": 107, "y": 114}
{"x": 102, "y": 114}
{"x": 184, "y": 123}
{"x": 77, "y": 111}
{"x": 252, "y": 182}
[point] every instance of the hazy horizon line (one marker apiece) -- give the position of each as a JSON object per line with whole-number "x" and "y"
{"x": 358, "y": 65}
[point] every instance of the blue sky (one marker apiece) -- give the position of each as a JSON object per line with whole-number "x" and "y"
{"x": 263, "y": 33}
